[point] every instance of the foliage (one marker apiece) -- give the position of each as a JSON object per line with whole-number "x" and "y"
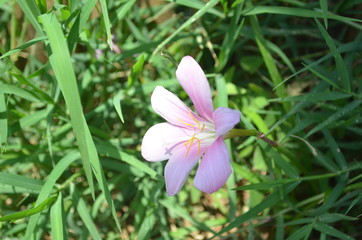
{"x": 75, "y": 84}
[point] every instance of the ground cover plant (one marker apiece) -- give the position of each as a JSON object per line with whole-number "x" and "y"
{"x": 76, "y": 79}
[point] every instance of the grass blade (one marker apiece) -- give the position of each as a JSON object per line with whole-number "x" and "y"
{"x": 21, "y": 181}
{"x": 192, "y": 19}
{"x": 58, "y": 227}
{"x": 341, "y": 66}
{"x": 3, "y": 121}
{"x": 58, "y": 170}
{"x": 106, "y": 22}
{"x": 329, "y": 230}
{"x": 340, "y": 113}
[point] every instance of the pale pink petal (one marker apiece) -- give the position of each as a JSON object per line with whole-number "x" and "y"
{"x": 179, "y": 167}
{"x": 225, "y": 119}
{"x": 193, "y": 80}
{"x": 160, "y": 141}
{"x": 214, "y": 169}
{"x": 172, "y": 109}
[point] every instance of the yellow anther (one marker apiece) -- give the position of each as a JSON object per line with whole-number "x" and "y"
{"x": 193, "y": 118}
{"x": 191, "y": 141}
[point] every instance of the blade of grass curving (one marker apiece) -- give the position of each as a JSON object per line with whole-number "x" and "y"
{"x": 313, "y": 97}
{"x": 20, "y": 181}
{"x": 192, "y": 19}
{"x": 117, "y": 104}
{"x": 267, "y": 185}
{"x": 32, "y": 12}
{"x": 269, "y": 201}
{"x": 334, "y": 117}
{"x": 230, "y": 38}
{"x": 281, "y": 54}
{"x": 197, "y": 4}
{"x": 332, "y": 144}
{"x": 341, "y": 66}
{"x": 269, "y": 60}
{"x": 61, "y": 63}
{"x": 107, "y": 25}
{"x": 122, "y": 11}
{"x": 20, "y": 92}
{"x": 57, "y": 171}
{"x": 324, "y": 7}
{"x": 329, "y": 230}
{"x": 58, "y": 225}
{"x": 296, "y": 12}
{"x": 354, "y": 202}
{"x": 84, "y": 214}
{"x": 302, "y": 232}
{"x": 23, "y": 46}
{"x": 47, "y": 203}
{"x": 3, "y": 121}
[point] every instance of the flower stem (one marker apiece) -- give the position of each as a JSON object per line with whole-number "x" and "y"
{"x": 247, "y": 132}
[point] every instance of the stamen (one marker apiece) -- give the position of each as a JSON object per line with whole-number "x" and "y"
{"x": 193, "y": 118}
{"x": 191, "y": 141}
{"x": 188, "y": 124}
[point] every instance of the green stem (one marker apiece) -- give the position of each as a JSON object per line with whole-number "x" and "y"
{"x": 247, "y": 133}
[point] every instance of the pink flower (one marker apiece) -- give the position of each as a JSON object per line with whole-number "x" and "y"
{"x": 186, "y": 137}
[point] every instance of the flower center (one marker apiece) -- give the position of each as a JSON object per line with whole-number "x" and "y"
{"x": 203, "y": 131}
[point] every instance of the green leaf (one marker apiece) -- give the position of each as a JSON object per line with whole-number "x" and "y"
{"x": 106, "y": 22}
{"x": 192, "y": 19}
{"x": 57, "y": 171}
{"x": 335, "y": 116}
{"x": 117, "y": 104}
{"x": 329, "y": 230}
{"x": 324, "y": 7}
{"x": 47, "y": 203}
{"x": 302, "y": 232}
{"x": 136, "y": 70}
{"x": 267, "y": 185}
{"x": 268, "y": 202}
{"x": 21, "y": 181}
{"x": 61, "y": 63}
{"x": 335, "y": 217}
{"x": 313, "y": 97}
{"x": 297, "y": 12}
{"x": 23, "y": 46}
{"x": 57, "y": 220}
{"x": 31, "y": 12}
{"x": 20, "y": 92}
{"x": 3, "y": 121}
{"x": 341, "y": 66}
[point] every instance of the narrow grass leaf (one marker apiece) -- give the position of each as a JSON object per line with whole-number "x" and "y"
{"x": 313, "y": 97}
{"x": 354, "y": 202}
{"x": 57, "y": 171}
{"x": 275, "y": 48}
{"x": 341, "y": 66}
{"x": 136, "y": 70}
{"x": 58, "y": 225}
{"x": 20, "y": 92}
{"x": 21, "y": 181}
{"x": 296, "y": 12}
{"x": 31, "y": 12}
{"x": 192, "y": 19}
{"x": 123, "y": 10}
{"x": 335, "y": 217}
{"x": 23, "y": 46}
{"x": 61, "y": 63}
{"x": 334, "y": 117}
{"x": 47, "y": 203}
{"x": 302, "y": 232}
{"x": 85, "y": 216}
{"x": 268, "y": 202}
{"x": 338, "y": 155}
{"x": 117, "y": 104}
{"x": 107, "y": 25}
{"x": 268, "y": 60}
{"x": 329, "y": 230}
{"x": 197, "y": 4}
{"x": 321, "y": 76}
{"x": 230, "y": 38}
{"x": 266, "y": 185}
{"x": 324, "y": 7}
{"x": 3, "y": 120}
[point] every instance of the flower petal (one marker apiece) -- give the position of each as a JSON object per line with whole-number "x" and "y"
{"x": 172, "y": 109}
{"x": 193, "y": 80}
{"x": 214, "y": 169}
{"x": 179, "y": 167}
{"x": 225, "y": 119}
{"x": 160, "y": 141}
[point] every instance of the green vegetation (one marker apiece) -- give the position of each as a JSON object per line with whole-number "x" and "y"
{"x": 75, "y": 84}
